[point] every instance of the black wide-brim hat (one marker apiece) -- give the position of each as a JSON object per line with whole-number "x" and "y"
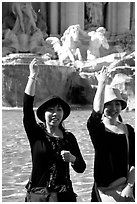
{"x": 50, "y": 101}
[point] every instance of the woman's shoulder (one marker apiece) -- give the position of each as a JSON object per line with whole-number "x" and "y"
{"x": 95, "y": 120}
{"x": 69, "y": 135}
{"x": 131, "y": 130}
{"x": 95, "y": 114}
{"x": 129, "y": 127}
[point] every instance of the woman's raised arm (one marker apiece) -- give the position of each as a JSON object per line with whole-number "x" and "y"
{"x": 31, "y": 84}
{"x": 98, "y": 103}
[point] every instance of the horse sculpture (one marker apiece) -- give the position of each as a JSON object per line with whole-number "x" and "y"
{"x": 67, "y": 48}
{"x": 97, "y": 40}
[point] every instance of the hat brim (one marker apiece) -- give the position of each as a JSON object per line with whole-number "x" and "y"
{"x": 123, "y": 103}
{"x": 50, "y": 102}
{"x": 111, "y": 94}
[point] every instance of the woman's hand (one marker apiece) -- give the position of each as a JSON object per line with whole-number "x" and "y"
{"x": 67, "y": 156}
{"x": 103, "y": 75}
{"x": 98, "y": 104}
{"x": 127, "y": 192}
{"x": 34, "y": 68}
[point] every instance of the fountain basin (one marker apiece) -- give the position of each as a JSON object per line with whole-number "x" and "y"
{"x": 52, "y": 79}
{"x": 74, "y": 86}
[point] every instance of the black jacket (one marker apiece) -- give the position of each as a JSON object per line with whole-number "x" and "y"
{"x": 48, "y": 168}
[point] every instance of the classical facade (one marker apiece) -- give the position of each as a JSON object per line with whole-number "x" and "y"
{"x": 116, "y": 17}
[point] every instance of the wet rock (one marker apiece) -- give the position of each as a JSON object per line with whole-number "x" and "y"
{"x": 77, "y": 86}
{"x": 52, "y": 80}
{"x": 80, "y": 90}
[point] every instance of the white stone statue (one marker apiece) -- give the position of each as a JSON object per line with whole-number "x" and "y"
{"x": 67, "y": 48}
{"x": 25, "y": 35}
{"x": 97, "y": 40}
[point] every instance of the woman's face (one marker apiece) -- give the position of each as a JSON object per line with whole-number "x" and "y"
{"x": 112, "y": 109}
{"x": 54, "y": 115}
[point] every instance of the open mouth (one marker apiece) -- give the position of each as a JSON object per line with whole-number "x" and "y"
{"x": 54, "y": 119}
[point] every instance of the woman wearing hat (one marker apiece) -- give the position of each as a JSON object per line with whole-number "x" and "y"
{"x": 114, "y": 144}
{"x": 52, "y": 147}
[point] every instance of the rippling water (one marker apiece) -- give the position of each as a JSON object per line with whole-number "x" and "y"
{"x": 16, "y": 158}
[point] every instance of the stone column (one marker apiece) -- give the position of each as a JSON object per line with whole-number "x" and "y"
{"x": 54, "y": 18}
{"x": 63, "y": 17}
{"x": 118, "y": 17}
{"x": 112, "y": 17}
{"x": 123, "y": 16}
{"x": 132, "y": 16}
{"x": 43, "y": 10}
{"x": 123, "y": 13}
{"x": 72, "y": 13}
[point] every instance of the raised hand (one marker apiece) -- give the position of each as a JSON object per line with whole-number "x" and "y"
{"x": 127, "y": 192}
{"x": 34, "y": 68}
{"x": 103, "y": 75}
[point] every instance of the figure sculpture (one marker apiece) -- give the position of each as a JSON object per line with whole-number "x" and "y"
{"x": 97, "y": 40}
{"x": 41, "y": 24}
{"x": 26, "y": 17}
{"x": 25, "y": 35}
{"x": 67, "y": 48}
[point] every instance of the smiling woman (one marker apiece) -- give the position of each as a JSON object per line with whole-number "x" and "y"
{"x": 53, "y": 116}
{"x": 52, "y": 112}
{"x": 52, "y": 147}
{"x": 114, "y": 143}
